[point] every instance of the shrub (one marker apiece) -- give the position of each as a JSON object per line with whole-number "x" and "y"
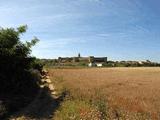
{"x": 15, "y": 63}
{"x": 82, "y": 64}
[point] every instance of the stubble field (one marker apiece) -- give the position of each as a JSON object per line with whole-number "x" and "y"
{"x": 116, "y": 93}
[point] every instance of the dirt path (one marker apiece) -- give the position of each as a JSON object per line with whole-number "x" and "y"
{"x": 43, "y": 106}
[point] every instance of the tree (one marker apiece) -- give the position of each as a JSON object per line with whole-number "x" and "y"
{"x": 15, "y": 64}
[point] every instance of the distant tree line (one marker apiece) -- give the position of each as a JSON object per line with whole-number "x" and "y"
{"x": 146, "y": 63}
{"x": 55, "y": 63}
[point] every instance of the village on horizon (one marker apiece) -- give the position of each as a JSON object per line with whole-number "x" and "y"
{"x": 92, "y": 61}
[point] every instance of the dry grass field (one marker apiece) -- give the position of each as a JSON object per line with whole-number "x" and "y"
{"x": 117, "y": 93}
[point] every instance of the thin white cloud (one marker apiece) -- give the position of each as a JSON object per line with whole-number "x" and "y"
{"x": 104, "y": 34}
{"x": 95, "y": 0}
{"x": 58, "y": 43}
{"x": 55, "y": 48}
{"x": 109, "y": 35}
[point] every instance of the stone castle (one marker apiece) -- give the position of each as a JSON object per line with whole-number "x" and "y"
{"x": 90, "y": 59}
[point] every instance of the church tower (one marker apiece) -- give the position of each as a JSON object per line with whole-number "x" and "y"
{"x": 79, "y": 55}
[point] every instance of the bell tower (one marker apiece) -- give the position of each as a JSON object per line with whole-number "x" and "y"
{"x": 79, "y": 55}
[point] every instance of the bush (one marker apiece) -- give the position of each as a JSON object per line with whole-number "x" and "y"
{"x": 15, "y": 64}
{"x": 108, "y": 65}
{"x": 82, "y": 64}
{"x": 2, "y": 109}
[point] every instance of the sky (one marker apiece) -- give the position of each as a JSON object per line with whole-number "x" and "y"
{"x": 118, "y": 29}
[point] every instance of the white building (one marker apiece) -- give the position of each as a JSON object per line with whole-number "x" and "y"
{"x": 91, "y": 65}
{"x": 99, "y": 64}
{"x": 95, "y": 64}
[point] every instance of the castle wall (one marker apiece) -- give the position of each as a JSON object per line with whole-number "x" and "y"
{"x": 84, "y": 59}
{"x": 90, "y": 59}
{"x": 100, "y": 59}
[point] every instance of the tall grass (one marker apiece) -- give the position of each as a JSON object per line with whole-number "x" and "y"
{"x": 78, "y": 105}
{"x": 102, "y": 94}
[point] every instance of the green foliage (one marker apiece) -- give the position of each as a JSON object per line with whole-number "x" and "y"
{"x": 22, "y": 29}
{"x": 108, "y": 64}
{"x": 48, "y": 62}
{"x": 131, "y": 64}
{"x": 82, "y": 64}
{"x": 37, "y": 64}
{"x": 15, "y": 64}
{"x": 8, "y": 38}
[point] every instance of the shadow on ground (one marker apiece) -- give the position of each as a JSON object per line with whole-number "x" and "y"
{"x": 42, "y": 108}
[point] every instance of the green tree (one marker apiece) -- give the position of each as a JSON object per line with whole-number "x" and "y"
{"x": 15, "y": 64}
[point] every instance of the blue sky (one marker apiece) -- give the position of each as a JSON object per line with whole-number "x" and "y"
{"x": 118, "y": 29}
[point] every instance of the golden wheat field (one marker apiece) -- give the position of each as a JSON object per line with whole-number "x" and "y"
{"x": 128, "y": 92}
